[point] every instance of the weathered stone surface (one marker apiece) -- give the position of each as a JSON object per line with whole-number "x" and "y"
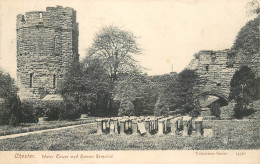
{"x": 160, "y": 127}
{"x": 186, "y": 125}
{"x": 134, "y": 128}
{"x": 174, "y": 126}
{"x": 99, "y": 126}
{"x": 47, "y": 46}
{"x": 122, "y": 126}
{"x": 216, "y": 69}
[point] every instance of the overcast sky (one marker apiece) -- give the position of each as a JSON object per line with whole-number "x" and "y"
{"x": 170, "y": 32}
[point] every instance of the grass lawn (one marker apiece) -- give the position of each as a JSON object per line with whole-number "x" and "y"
{"x": 229, "y": 134}
{"x": 28, "y": 127}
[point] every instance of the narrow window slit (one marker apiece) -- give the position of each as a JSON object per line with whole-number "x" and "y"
{"x": 31, "y": 80}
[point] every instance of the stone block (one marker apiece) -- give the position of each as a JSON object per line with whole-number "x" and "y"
{"x": 161, "y": 127}
{"x": 198, "y": 126}
{"x": 141, "y": 126}
{"x": 122, "y": 126}
{"x": 174, "y": 126}
{"x": 186, "y": 125}
{"x": 135, "y": 130}
{"x": 99, "y": 126}
{"x": 147, "y": 126}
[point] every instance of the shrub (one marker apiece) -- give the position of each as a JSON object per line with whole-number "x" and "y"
{"x": 13, "y": 120}
{"x": 54, "y": 110}
{"x": 241, "y": 110}
{"x": 243, "y": 90}
{"x": 3, "y": 115}
{"x": 30, "y": 111}
{"x": 69, "y": 111}
{"x": 10, "y": 102}
{"x": 10, "y": 110}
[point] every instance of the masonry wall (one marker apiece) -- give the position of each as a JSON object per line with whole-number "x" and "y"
{"x": 214, "y": 73}
{"x": 47, "y": 46}
{"x": 216, "y": 69}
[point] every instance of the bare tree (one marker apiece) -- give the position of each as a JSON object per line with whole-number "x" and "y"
{"x": 115, "y": 48}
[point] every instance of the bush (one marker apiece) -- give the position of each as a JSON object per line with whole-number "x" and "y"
{"x": 241, "y": 110}
{"x": 4, "y": 115}
{"x": 10, "y": 110}
{"x": 30, "y": 111}
{"x": 10, "y": 102}
{"x": 54, "y": 110}
{"x": 13, "y": 120}
{"x": 243, "y": 90}
{"x": 69, "y": 111}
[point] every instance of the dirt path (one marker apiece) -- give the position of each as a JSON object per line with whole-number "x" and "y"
{"x": 41, "y": 131}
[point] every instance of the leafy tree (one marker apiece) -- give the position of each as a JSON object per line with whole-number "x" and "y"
{"x": 86, "y": 88}
{"x": 8, "y": 87}
{"x": 166, "y": 88}
{"x": 183, "y": 90}
{"x": 177, "y": 93}
{"x": 126, "y": 108}
{"x": 243, "y": 87}
{"x": 247, "y": 41}
{"x": 136, "y": 90}
{"x": 98, "y": 90}
{"x": 71, "y": 85}
{"x": 10, "y": 108}
{"x": 115, "y": 47}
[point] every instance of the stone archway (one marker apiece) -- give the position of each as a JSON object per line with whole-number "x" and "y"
{"x": 213, "y": 101}
{"x": 222, "y": 97}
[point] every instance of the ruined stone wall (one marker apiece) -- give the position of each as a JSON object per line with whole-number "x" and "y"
{"x": 216, "y": 69}
{"x": 47, "y": 46}
{"x": 214, "y": 73}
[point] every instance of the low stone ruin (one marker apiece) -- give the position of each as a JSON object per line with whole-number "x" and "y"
{"x": 133, "y": 125}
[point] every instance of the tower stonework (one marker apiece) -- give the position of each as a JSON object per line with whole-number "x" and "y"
{"x": 47, "y": 46}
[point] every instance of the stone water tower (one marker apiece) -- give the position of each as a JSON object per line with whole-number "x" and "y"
{"x": 47, "y": 46}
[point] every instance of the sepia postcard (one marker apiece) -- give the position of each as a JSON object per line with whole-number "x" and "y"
{"x": 130, "y": 81}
